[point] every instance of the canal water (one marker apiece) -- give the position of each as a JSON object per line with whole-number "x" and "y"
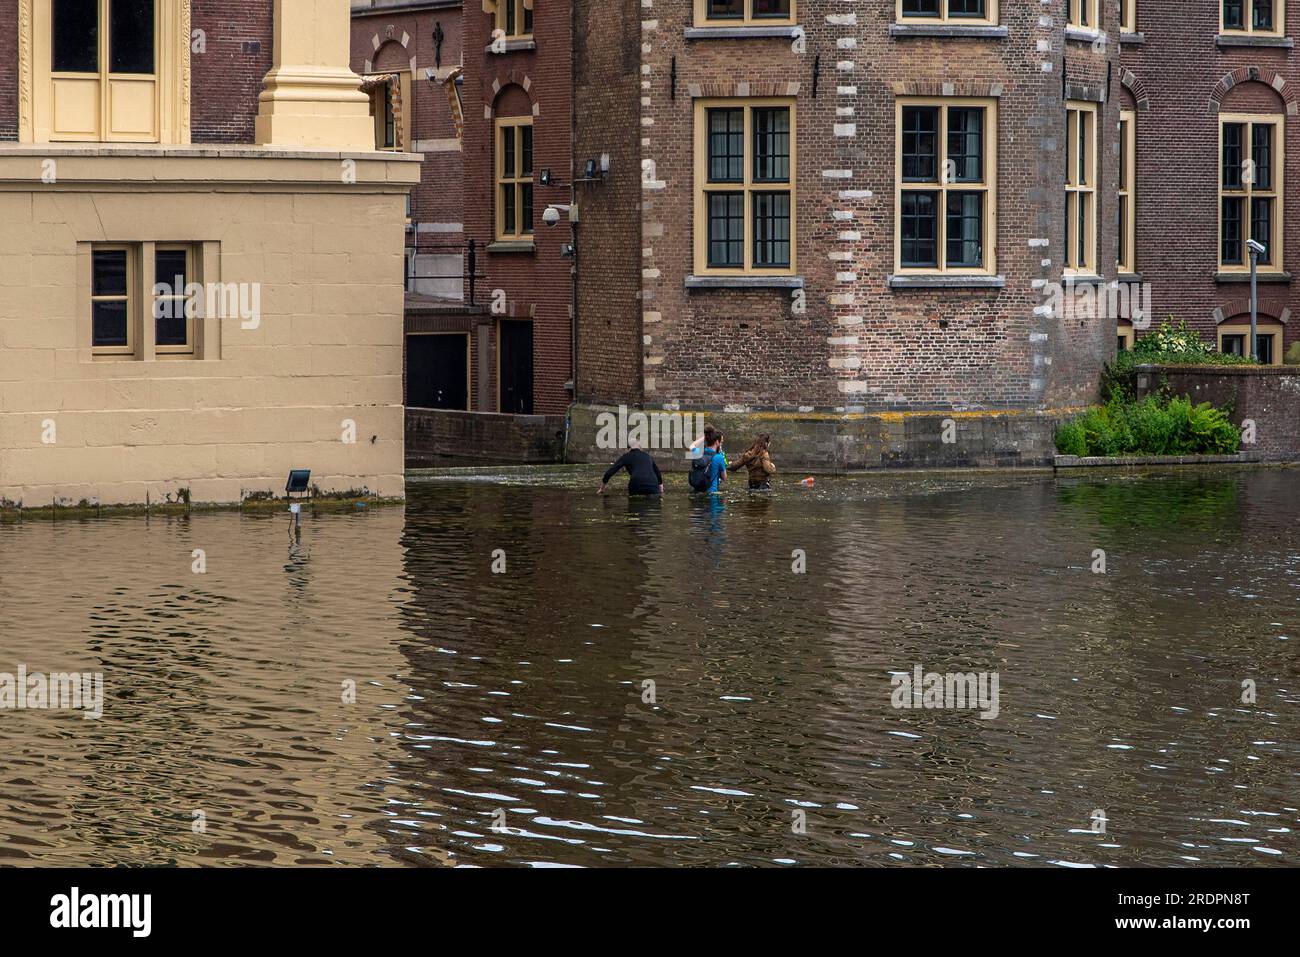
{"x": 513, "y": 670}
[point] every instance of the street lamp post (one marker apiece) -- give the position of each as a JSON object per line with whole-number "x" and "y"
{"x": 1256, "y": 250}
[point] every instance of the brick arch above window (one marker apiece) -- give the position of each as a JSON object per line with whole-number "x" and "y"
{"x": 941, "y": 88}
{"x": 512, "y": 97}
{"x": 1270, "y": 310}
{"x": 1137, "y": 89}
{"x": 1253, "y": 74}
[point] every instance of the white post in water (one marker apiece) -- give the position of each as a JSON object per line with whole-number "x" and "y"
{"x": 1256, "y": 250}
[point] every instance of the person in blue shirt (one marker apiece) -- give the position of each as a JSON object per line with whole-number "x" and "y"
{"x": 718, "y": 464}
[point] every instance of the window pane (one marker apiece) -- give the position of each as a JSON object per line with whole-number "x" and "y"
{"x": 777, "y": 9}
{"x": 1230, "y": 231}
{"x": 920, "y": 144}
{"x": 526, "y": 150}
{"x": 1122, "y": 247}
{"x": 1263, "y": 18}
{"x": 966, "y": 144}
{"x": 727, "y": 229}
{"x": 171, "y": 329}
{"x": 1234, "y": 345}
{"x": 726, "y": 146}
{"x": 507, "y": 151}
{"x": 109, "y": 323}
{"x": 1081, "y": 149}
{"x": 528, "y": 21}
{"x": 1084, "y": 206}
{"x": 511, "y": 22}
{"x": 1261, "y": 138}
{"x": 965, "y": 230}
{"x": 130, "y": 34}
{"x": 772, "y": 145}
{"x": 921, "y": 8}
{"x": 772, "y": 230}
{"x": 76, "y": 36}
{"x": 966, "y": 8}
{"x": 1261, "y": 227}
{"x": 1233, "y": 134}
{"x": 508, "y": 218}
{"x": 1123, "y": 154}
{"x": 169, "y": 270}
{"x": 725, "y": 10}
{"x": 1233, "y": 17}
{"x": 109, "y": 272}
{"x": 919, "y": 227}
{"x": 526, "y": 207}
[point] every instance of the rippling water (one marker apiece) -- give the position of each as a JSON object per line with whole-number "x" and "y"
{"x": 505, "y": 717}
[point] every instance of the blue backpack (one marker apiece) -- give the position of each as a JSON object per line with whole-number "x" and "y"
{"x": 701, "y": 476}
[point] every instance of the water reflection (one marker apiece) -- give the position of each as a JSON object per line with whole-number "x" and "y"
{"x": 544, "y": 676}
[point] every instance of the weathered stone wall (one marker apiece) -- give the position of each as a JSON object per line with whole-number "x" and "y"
{"x": 440, "y": 437}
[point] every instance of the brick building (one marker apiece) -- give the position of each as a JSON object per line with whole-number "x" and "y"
{"x": 1210, "y": 91}
{"x": 200, "y": 266}
{"x": 847, "y": 207}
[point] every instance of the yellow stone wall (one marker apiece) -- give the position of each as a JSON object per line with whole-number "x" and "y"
{"x": 323, "y": 235}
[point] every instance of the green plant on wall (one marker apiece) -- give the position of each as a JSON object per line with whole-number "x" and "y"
{"x": 1158, "y": 425}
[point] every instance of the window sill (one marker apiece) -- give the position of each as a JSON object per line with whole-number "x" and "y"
{"x": 515, "y": 45}
{"x": 907, "y": 281}
{"x": 1132, "y": 38}
{"x": 512, "y": 246}
{"x": 1246, "y": 40}
{"x": 1082, "y": 279}
{"x": 743, "y": 282}
{"x": 1084, "y": 34}
{"x": 747, "y": 32}
{"x": 1263, "y": 277}
{"x": 988, "y": 31}
{"x": 1129, "y": 277}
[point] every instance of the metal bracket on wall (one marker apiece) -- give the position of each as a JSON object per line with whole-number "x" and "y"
{"x": 817, "y": 72}
{"x": 672, "y": 80}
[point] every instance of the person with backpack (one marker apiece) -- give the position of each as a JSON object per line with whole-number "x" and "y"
{"x": 709, "y": 470}
{"x": 644, "y": 477}
{"x": 759, "y": 463}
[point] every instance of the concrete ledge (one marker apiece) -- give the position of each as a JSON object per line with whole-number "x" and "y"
{"x": 513, "y": 46}
{"x": 946, "y": 282}
{"x": 1084, "y": 34}
{"x": 987, "y": 31}
{"x": 1262, "y": 277}
{"x": 788, "y": 32}
{"x": 1232, "y": 40}
{"x": 1132, "y": 38}
{"x": 1138, "y": 461}
{"x": 512, "y": 246}
{"x": 743, "y": 282}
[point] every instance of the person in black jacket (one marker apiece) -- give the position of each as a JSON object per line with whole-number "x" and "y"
{"x": 644, "y": 477}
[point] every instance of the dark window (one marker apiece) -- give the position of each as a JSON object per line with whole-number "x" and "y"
{"x": 171, "y": 328}
{"x": 1263, "y": 15}
{"x": 109, "y": 317}
{"x": 131, "y": 36}
{"x": 965, "y": 230}
{"x": 771, "y": 145}
{"x": 727, "y": 230}
{"x": 1265, "y": 346}
{"x": 525, "y": 207}
{"x": 771, "y": 230}
{"x": 1234, "y": 345}
{"x": 1122, "y": 344}
{"x": 725, "y": 10}
{"x": 1261, "y": 142}
{"x": 920, "y": 144}
{"x": 1231, "y": 231}
{"x": 921, "y": 8}
{"x": 771, "y": 9}
{"x": 966, "y": 144}
{"x": 528, "y": 21}
{"x": 1261, "y": 226}
{"x": 510, "y": 18}
{"x": 973, "y": 9}
{"x": 169, "y": 269}
{"x": 1123, "y": 234}
{"x": 508, "y": 212}
{"x": 526, "y": 150}
{"x": 1234, "y": 17}
{"x": 919, "y": 226}
{"x": 1233, "y": 134}
{"x": 726, "y": 146}
{"x": 76, "y": 36}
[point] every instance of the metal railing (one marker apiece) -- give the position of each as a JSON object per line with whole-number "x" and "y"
{"x": 468, "y": 274}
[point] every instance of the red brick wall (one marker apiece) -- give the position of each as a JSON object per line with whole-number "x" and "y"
{"x": 9, "y": 71}
{"x": 1181, "y": 79}
{"x": 227, "y": 78}
{"x": 537, "y": 284}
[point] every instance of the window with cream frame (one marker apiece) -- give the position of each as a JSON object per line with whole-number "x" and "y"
{"x": 1126, "y": 208}
{"x": 945, "y": 196}
{"x": 1251, "y": 167}
{"x": 114, "y": 305}
{"x": 1128, "y": 16}
{"x": 173, "y": 312}
{"x": 738, "y": 13}
{"x": 514, "y": 18}
{"x": 745, "y": 209}
{"x": 976, "y": 12}
{"x": 1253, "y": 17}
{"x": 1080, "y": 188}
{"x": 1234, "y": 339}
{"x": 514, "y": 178}
{"x": 1085, "y": 14}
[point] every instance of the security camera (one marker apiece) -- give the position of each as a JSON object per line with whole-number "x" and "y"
{"x": 1255, "y": 247}
{"x": 551, "y": 216}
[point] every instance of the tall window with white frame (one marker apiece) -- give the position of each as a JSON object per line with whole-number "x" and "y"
{"x": 1125, "y": 249}
{"x": 948, "y": 11}
{"x": 1080, "y": 188}
{"x": 945, "y": 196}
{"x": 1250, "y": 182}
{"x": 745, "y": 189}
{"x": 1264, "y": 17}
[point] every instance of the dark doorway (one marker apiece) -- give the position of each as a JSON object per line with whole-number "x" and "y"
{"x": 517, "y": 367}
{"x": 437, "y": 371}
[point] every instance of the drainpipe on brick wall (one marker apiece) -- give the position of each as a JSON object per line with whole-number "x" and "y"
{"x": 573, "y": 198}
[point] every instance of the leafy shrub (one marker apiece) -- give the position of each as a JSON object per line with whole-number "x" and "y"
{"x": 1157, "y": 425}
{"x": 1169, "y": 345}
{"x": 1292, "y": 357}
